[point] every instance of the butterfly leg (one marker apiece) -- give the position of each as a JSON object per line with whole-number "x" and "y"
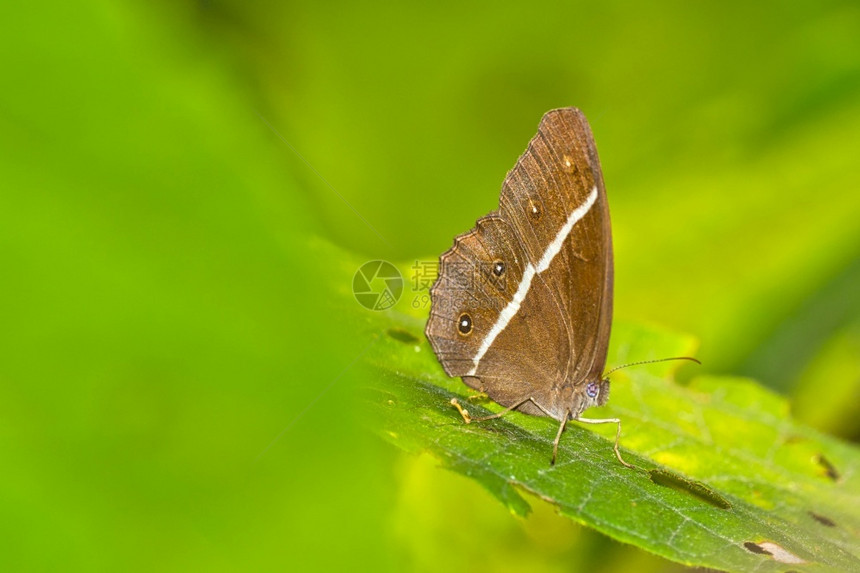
{"x": 513, "y": 406}
{"x": 463, "y": 411}
{"x": 467, "y": 418}
{"x": 557, "y": 438}
{"x": 617, "y": 422}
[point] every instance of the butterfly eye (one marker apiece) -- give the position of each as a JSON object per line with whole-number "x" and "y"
{"x": 464, "y": 324}
{"x": 568, "y": 164}
{"x": 498, "y": 268}
{"x": 592, "y": 389}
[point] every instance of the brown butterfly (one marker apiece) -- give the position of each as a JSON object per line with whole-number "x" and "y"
{"x": 522, "y": 307}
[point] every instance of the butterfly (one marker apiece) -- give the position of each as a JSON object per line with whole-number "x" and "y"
{"x": 522, "y": 306}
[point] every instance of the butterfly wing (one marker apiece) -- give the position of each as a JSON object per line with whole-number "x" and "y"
{"x": 539, "y": 329}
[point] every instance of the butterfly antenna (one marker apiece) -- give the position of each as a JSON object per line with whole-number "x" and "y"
{"x": 691, "y": 359}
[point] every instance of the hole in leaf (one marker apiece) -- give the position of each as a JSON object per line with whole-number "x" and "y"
{"x": 402, "y": 336}
{"x": 829, "y": 470}
{"x": 823, "y": 520}
{"x": 773, "y": 550}
{"x": 698, "y": 490}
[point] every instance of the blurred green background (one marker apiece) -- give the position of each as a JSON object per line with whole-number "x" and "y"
{"x": 176, "y": 386}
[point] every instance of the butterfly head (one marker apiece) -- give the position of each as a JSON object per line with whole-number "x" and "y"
{"x": 576, "y": 399}
{"x": 596, "y": 393}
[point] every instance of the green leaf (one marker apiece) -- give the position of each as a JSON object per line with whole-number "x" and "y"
{"x": 725, "y": 478}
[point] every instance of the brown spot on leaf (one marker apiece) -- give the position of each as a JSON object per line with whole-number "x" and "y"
{"x": 823, "y": 520}
{"x": 773, "y": 550}
{"x": 696, "y": 489}
{"x": 755, "y": 548}
{"x": 402, "y": 336}
{"x": 829, "y": 469}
